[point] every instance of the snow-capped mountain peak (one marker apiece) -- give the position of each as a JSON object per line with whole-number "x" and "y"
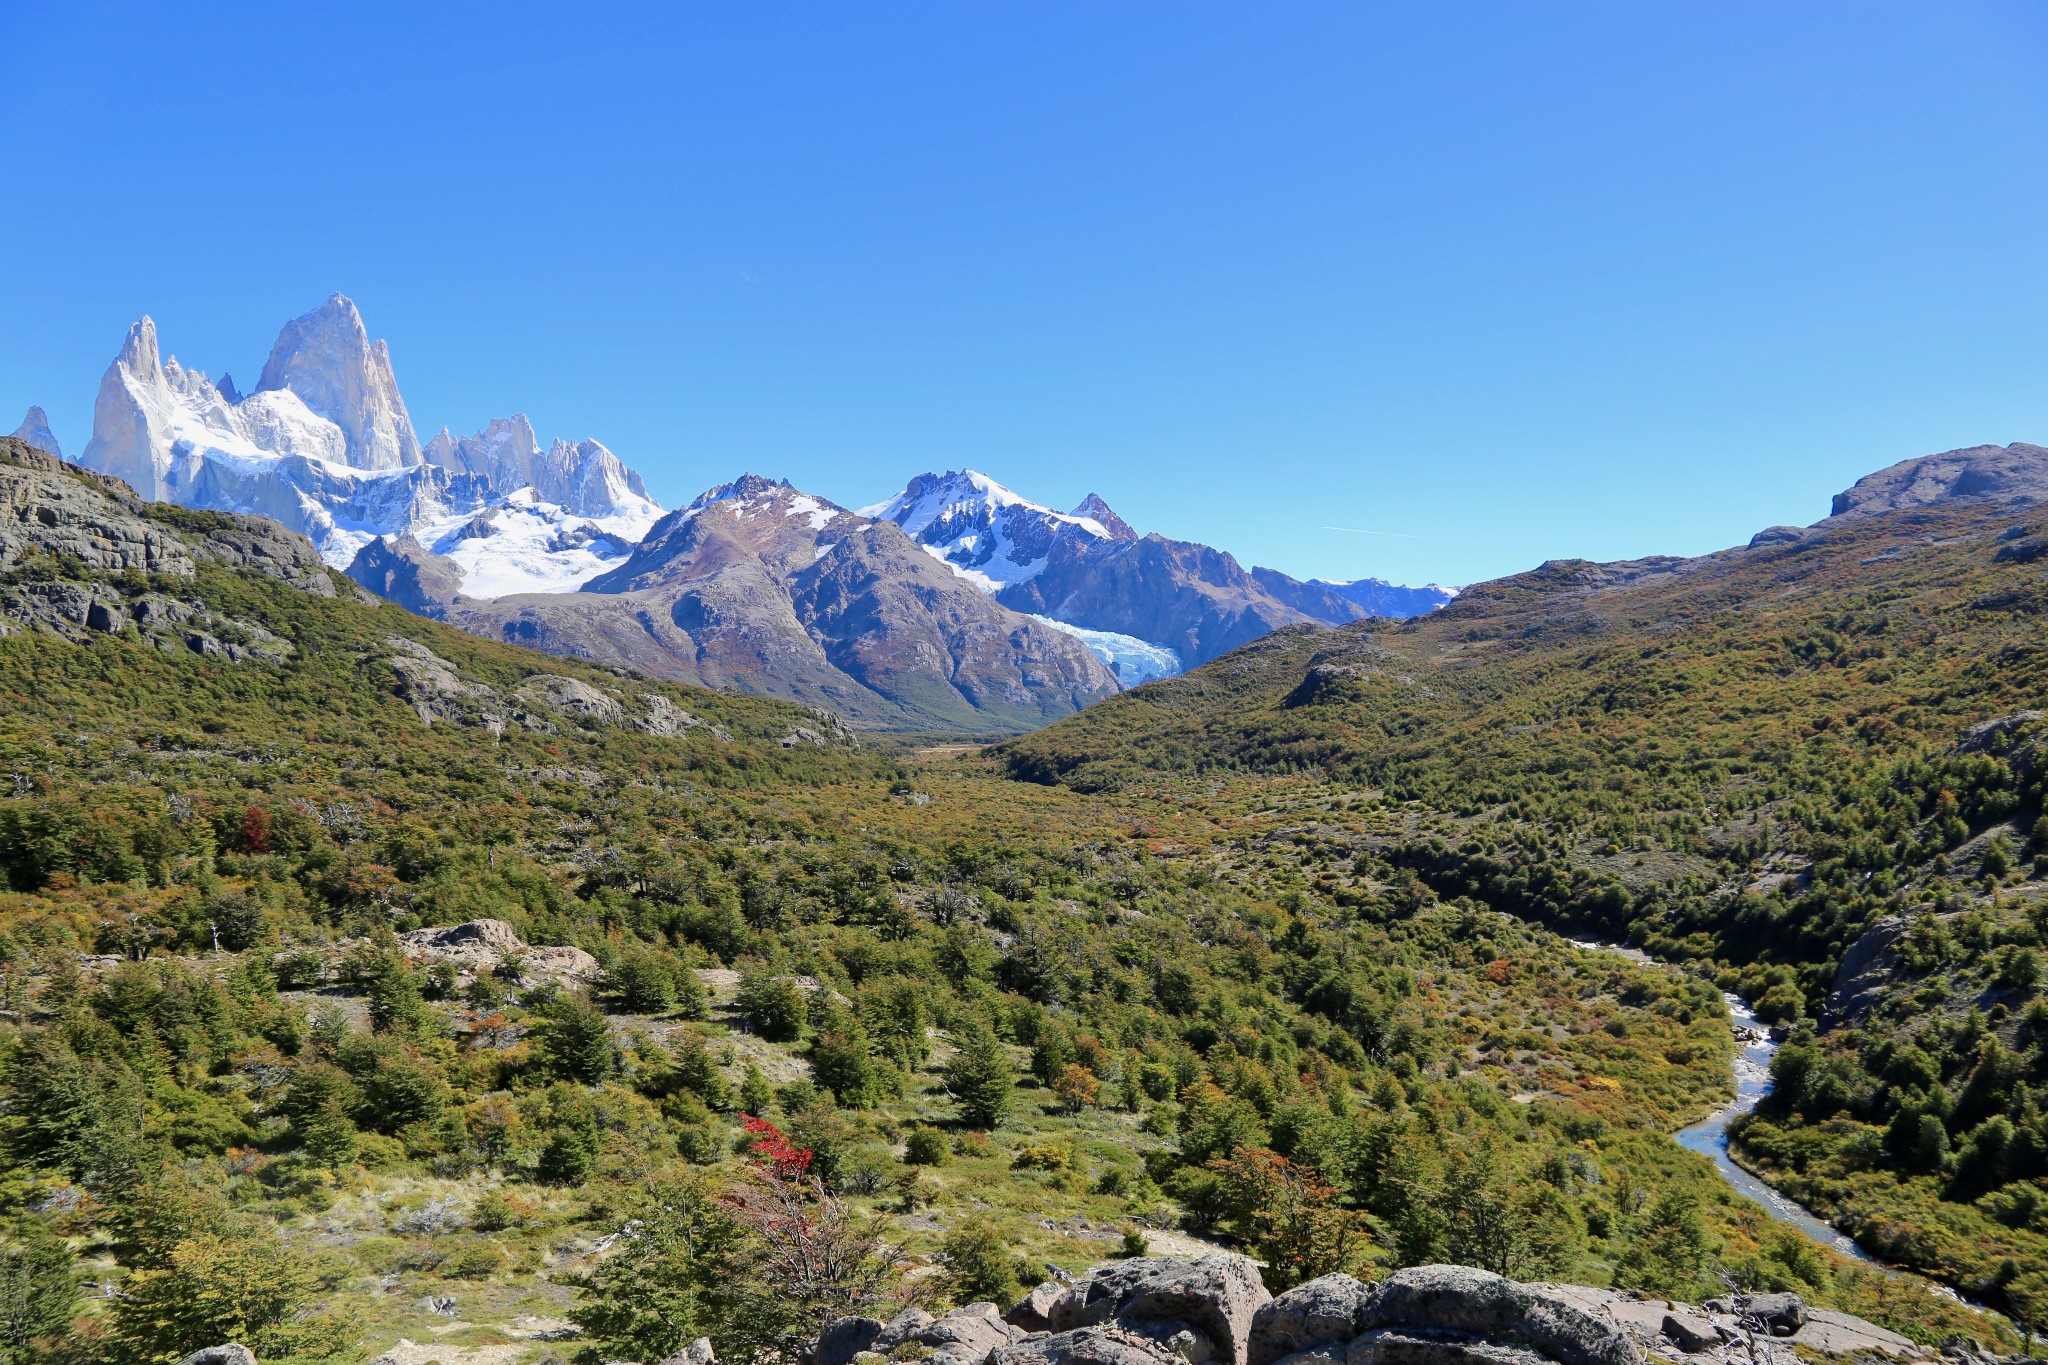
{"x": 982, "y": 530}
{"x": 326, "y": 446}
{"x": 1094, "y": 509}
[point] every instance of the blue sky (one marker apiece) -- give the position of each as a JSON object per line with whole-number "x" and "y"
{"x": 1501, "y": 282}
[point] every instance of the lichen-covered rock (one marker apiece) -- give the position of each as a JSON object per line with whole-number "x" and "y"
{"x": 1217, "y": 1295}
{"x": 905, "y": 1326}
{"x": 1188, "y": 1312}
{"x": 967, "y": 1335}
{"x": 667, "y": 720}
{"x": 1319, "y": 1313}
{"x": 1101, "y": 1345}
{"x": 437, "y": 692}
{"x": 1477, "y": 1303}
{"x": 261, "y": 544}
{"x": 1843, "y": 1334}
{"x": 49, "y": 509}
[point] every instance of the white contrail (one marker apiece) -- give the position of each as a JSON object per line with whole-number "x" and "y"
{"x": 1361, "y": 531}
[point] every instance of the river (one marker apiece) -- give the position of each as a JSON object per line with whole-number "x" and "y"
{"x": 1754, "y": 1050}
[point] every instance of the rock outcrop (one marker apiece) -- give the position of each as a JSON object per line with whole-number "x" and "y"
{"x": 440, "y": 693}
{"x": 965, "y": 1336}
{"x": 485, "y": 945}
{"x": 62, "y": 528}
{"x": 2014, "y": 473}
{"x": 1214, "y": 1310}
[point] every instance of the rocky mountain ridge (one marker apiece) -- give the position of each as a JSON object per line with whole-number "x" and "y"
{"x": 758, "y": 587}
{"x": 495, "y": 531}
{"x": 1090, "y": 569}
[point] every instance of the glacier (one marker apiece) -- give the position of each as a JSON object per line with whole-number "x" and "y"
{"x": 1133, "y": 660}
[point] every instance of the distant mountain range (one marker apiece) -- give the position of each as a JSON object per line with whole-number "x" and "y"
{"x": 956, "y": 605}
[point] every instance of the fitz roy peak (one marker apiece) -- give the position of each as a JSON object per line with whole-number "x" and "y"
{"x": 329, "y": 361}
{"x": 326, "y": 446}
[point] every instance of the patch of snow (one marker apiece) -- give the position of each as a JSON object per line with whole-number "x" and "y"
{"x": 1133, "y": 660}
{"x": 534, "y": 546}
{"x": 804, "y": 505}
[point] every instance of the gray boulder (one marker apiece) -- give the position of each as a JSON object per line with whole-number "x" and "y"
{"x": 233, "y": 1353}
{"x": 1216, "y": 1295}
{"x": 697, "y": 1352}
{"x": 966, "y": 1335}
{"x": 1322, "y": 1312}
{"x": 1460, "y": 1300}
{"x": 1842, "y": 1334}
{"x": 842, "y": 1340}
{"x": 907, "y": 1325}
{"x": 1690, "y": 1332}
{"x": 1052, "y": 1307}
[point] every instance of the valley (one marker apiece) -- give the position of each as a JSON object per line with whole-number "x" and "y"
{"x": 1272, "y": 955}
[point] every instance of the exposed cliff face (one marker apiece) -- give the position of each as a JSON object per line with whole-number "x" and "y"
{"x": 56, "y": 518}
{"x": 760, "y": 587}
{"x": 328, "y": 361}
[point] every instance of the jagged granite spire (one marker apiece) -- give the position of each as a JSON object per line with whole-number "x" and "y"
{"x": 35, "y": 429}
{"x": 329, "y": 361}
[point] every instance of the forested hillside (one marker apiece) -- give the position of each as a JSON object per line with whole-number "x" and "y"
{"x": 1809, "y": 766}
{"x": 723, "y": 974}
